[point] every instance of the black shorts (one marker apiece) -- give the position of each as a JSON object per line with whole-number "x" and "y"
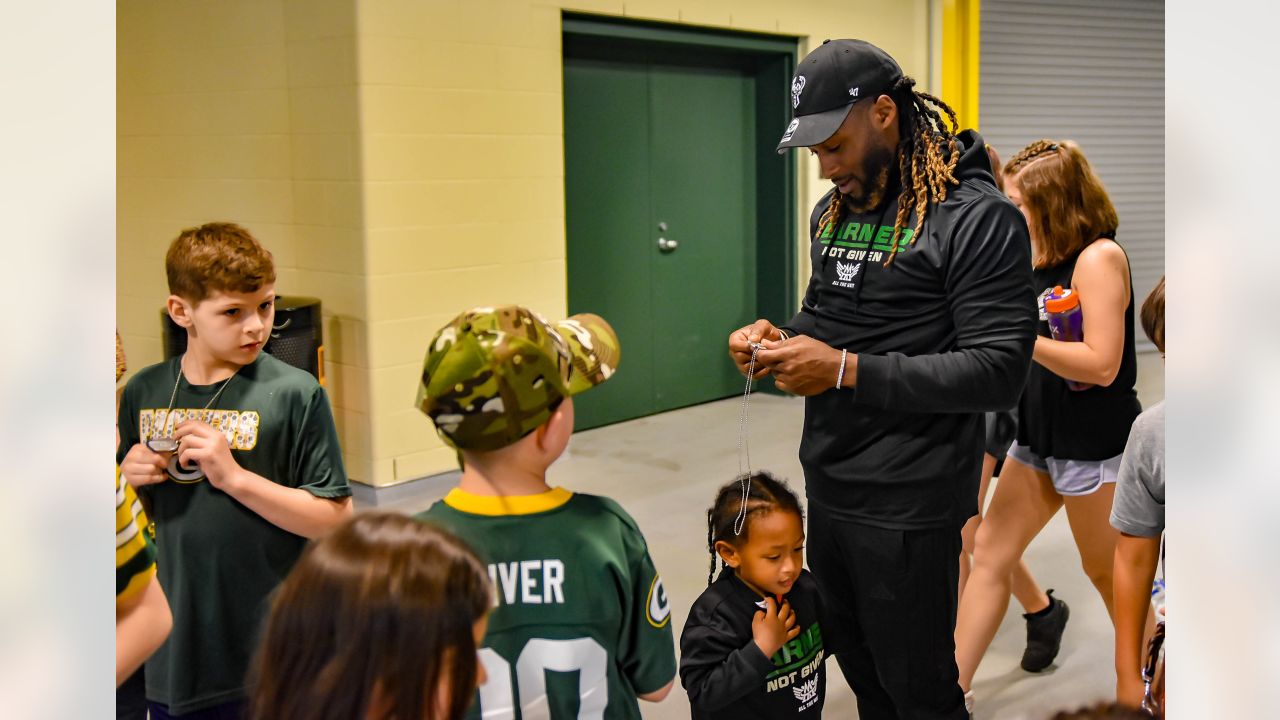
{"x": 890, "y": 598}
{"x": 131, "y": 698}
{"x": 1002, "y": 427}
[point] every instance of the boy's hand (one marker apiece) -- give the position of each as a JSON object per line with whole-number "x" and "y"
{"x": 142, "y": 466}
{"x": 208, "y": 448}
{"x": 772, "y": 627}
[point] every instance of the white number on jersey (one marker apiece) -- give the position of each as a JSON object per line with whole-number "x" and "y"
{"x": 582, "y": 655}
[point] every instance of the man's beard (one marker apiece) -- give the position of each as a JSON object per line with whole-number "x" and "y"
{"x": 877, "y": 165}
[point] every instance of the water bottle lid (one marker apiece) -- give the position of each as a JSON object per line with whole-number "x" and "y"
{"x": 1060, "y": 301}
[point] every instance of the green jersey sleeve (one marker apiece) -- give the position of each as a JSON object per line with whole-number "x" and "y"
{"x": 316, "y": 459}
{"x": 647, "y": 648}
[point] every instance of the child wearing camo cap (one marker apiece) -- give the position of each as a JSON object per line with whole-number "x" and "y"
{"x": 575, "y": 589}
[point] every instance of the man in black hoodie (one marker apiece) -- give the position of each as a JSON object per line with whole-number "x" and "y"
{"x": 919, "y": 316}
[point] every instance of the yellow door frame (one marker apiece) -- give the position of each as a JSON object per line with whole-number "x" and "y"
{"x": 960, "y": 56}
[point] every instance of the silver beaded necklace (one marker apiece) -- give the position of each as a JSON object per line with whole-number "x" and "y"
{"x": 744, "y": 443}
{"x": 178, "y": 472}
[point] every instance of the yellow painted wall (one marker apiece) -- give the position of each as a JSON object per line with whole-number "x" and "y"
{"x": 245, "y": 110}
{"x": 403, "y": 159}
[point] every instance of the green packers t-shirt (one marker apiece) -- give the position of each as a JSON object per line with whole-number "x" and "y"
{"x": 217, "y": 559}
{"x": 581, "y": 623}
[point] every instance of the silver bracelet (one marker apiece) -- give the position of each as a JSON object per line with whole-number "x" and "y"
{"x": 840, "y": 377}
{"x": 782, "y": 335}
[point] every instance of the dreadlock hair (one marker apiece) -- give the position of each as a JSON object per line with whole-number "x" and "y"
{"x": 765, "y": 494}
{"x": 927, "y": 155}
{"x": 1066, "y": 204}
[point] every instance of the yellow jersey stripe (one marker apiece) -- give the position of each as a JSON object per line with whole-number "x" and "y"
{"x": 493, "y": 505}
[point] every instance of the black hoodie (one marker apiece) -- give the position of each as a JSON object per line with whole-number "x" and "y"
{"x": 726, "y": 674}
{"x": 942, "y": 334}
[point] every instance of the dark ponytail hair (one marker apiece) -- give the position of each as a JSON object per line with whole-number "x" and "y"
{"x": 765, "y": 494}
{"x": 375, "y": 620}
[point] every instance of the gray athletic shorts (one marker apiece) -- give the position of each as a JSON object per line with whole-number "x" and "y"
{"x": 1070, "y": 477}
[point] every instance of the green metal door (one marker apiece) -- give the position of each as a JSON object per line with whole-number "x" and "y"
{"x": 660, "y": 200}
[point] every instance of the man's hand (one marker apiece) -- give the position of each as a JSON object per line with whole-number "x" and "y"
{"x": 141, "y": 466}
{"x": 740, "y": 341}
{"x": 773, "y": 626}
{"x": 804, "y": 366}
{"x": 208, "y": 448}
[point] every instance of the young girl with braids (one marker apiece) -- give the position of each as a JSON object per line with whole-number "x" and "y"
{"x": 752, "y": 646}
{"x": 1069, "y": 442}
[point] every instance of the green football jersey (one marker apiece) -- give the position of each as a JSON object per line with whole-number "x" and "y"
{"x": 581, "y": 623}
{"x": 218, "y": 561}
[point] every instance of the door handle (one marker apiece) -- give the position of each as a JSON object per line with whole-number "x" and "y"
{"x": 666, "y": 245}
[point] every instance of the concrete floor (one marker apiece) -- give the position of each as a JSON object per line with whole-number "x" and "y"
{"x": 664, "y": 470}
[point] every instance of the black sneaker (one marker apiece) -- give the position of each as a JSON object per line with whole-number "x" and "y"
{"x": 1044, "y": 635}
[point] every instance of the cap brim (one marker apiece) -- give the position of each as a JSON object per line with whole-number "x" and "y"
{"x": 814, "y": 129}
{"x": 593, "y": 348}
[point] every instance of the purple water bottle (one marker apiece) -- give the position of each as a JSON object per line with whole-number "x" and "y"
{"x": 1066, "y": 321}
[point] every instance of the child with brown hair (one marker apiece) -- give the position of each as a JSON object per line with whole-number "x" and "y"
{"x": 1069, "y": 441}
{"x": 380, "y": 619}
{"x": 1138, "y": 514}
{"x": 236, "y": 455}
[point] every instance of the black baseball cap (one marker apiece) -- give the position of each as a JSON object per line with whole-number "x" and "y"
{"x": 828, "y": 82}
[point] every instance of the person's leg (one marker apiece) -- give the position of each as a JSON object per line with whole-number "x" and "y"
{"x": 827, "y": 551}
{"x": 1090, "y": 520}
{"x": 1024, "y": 502}
{"x": 1025, "y": 589}
{"x": 907, "y": 585}
{"x": 969, "y": 532}
{"x": 859, "y": 670}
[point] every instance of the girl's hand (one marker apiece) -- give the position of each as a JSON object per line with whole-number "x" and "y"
{"x": 773, "y": 626}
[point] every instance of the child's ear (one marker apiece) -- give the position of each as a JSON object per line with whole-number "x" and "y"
{"x": 558, "y": 427}
{"x": 179, "y": 311}
{"x": 728, "y": 553}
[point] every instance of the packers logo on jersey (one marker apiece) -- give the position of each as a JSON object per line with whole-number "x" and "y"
{"x": 657, "y": 606}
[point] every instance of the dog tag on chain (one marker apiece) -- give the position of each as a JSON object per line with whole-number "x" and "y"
{"x": 162, "y": 445}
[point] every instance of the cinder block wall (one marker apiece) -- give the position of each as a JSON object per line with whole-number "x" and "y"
{"x": 245, "y": 110}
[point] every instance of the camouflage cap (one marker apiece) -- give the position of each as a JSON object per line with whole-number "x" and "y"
{"x": 492, "y": 375}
